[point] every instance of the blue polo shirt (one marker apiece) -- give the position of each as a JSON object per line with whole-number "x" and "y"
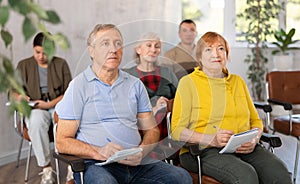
{"x": 105, "y": 112}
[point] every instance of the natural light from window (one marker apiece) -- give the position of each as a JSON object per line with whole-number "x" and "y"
{"x": 209, "y": 16}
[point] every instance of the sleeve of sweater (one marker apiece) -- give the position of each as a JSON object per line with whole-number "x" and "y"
{"x": 255, "y": 121}
{"x": 181, "y": 108}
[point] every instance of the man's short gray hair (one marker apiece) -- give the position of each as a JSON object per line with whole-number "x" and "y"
{"x": 100, "y": 27}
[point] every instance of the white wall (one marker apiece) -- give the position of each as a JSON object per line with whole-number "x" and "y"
{"x": 133, "y": 17}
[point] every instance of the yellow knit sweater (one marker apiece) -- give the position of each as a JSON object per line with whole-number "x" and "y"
{"x": 202, "y": 103}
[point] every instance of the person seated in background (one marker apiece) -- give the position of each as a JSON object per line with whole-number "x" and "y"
{"x": 44, "y": 83}
{"x": 101, "y": 113}
{"x": 183, "y": 56}
{"x": 211, "y": 105}
{"x": 160, "y": 82}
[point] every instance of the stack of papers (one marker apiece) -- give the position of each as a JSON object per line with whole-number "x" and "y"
{"x": 121, "y": 155}
{"x": 237, "y": 140}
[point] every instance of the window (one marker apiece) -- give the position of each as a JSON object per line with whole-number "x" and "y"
{"x": 207, "y": 14}
{"x": 220, "y": 16}
{"x": 293, "y": 17}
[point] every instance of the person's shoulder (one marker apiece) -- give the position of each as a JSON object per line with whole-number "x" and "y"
{"x": 58, "y": 60}
{"x": 164, "y": 69}
{"x": 129, "y": 70}
{"x": 26, "y": 60}
{"x": 235, "y": 77}
{"x": 127, "y": 75}
{"x": 171, "y": 51}
{"x": 27, "y": 63}
{"x": 78, "y": 80}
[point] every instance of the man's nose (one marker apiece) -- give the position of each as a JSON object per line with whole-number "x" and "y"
{"x": 113, "y": 48}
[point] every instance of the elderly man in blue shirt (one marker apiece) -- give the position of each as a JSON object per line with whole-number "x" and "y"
{"x": 101, "y": 113}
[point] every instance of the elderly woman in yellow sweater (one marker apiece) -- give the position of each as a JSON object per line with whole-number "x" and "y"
{"x": 211, "y": 105}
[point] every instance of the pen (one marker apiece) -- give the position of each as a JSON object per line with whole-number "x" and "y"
{"x": 108, "y": 139}
{"x": 216, "y": 127}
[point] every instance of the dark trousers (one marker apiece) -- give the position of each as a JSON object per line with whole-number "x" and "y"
{"x": 260, "y": 166}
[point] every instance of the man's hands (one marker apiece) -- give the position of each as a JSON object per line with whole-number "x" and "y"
{"x": 111, "y": 148}
{"x": 133, "y": 160}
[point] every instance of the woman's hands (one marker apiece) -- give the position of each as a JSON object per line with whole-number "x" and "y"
{"x": 221, "y": 138}
{"x": 248, "y": 147}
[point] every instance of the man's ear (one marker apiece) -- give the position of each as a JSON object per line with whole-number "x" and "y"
{"x": 91, "y": 51}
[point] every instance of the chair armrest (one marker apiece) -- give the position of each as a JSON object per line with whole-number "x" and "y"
{"x": 194, "y": 149}
{"x": 77, "y": 163}
{"x": 264, "y": 106}
{"x": 169, "y": 148}
{"x": 273, "y": 140}
{"x": 168, "y": 152}
{"x": 286, "y": 105}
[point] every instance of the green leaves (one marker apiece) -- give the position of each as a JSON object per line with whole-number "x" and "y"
{"x": 34, "y": 17}
{"x": 38, "y": 10}
{"x": 284, "y": 40}
{"x": 33, "y": 14}
{"x": 20, "y": 6}
{"x": 49, "y": 48}
{"x": 61, "y": 40}
{"x": 52, "y": 17}
{"x": 10, "y": 81}
{"x": 28, "y": 29}
{"x": 6, "y": 37}
{"x": 4, "y": 15}
{"x": 257, "y": 20}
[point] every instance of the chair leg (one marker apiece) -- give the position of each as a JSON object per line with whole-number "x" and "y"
{"x": 199, "y": 169}
{"x": 81, "y": 177}
{"x": 296, "y": 161}
{"x": 57, "y": 171}
{"x": 19, "y": 152}
{"x": 28, "y": 162}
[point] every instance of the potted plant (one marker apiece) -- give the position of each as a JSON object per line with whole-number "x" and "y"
{"x": 33, "y": 15}
{"x": 256, "y": 22}
{"x": 282, "y": 58}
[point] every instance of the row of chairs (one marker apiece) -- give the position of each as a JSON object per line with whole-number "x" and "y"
{"x": 283, "y": 88}
{"x": 77, "y": 163}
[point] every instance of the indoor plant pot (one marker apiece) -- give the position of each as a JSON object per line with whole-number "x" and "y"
{"x": 282, "y": 57}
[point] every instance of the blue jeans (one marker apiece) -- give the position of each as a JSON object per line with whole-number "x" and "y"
{"x": 115, "y": 173}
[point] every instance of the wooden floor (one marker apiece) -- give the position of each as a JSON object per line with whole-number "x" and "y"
{"x": 10, "y": 174}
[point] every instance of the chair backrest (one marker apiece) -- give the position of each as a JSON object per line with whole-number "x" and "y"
{"x": 22, "y": 130}
{"x": 20, "y": 125}
{"x": 284, "y": 85}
